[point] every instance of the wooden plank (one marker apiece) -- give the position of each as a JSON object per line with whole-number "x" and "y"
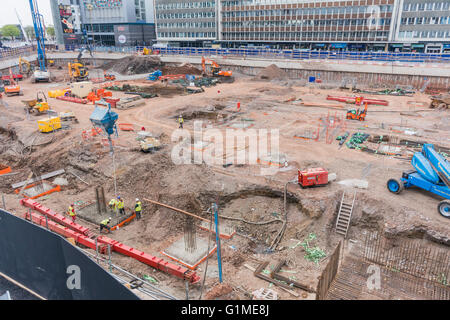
{"x": 43, "y": 177}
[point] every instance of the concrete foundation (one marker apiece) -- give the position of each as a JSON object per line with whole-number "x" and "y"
{"x": 38, "y": 189}
{"x": 89, "y": 213}
{"x": 225, "y": 232}
{"x": 191, "y": 260}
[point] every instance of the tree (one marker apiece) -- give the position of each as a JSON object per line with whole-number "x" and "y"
{"x": 50, "y": 31}
{"x": 10, "y": 30}
{"x": 29, "y": 30}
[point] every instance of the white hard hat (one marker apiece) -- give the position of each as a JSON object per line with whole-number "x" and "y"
{"x": 110, "y": 218}
{"x": 137, "y": 199}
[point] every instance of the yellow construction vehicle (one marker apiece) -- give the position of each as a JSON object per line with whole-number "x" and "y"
{"x": 37, "y": 106}
{"x": 78, "y": 72}
{"x": 27, "y": 69}
{"x": 49, "y": 125}
{"x": 146, "y": 51}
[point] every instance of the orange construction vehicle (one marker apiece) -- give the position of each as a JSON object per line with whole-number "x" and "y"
{"x": 11, "y": 86}
{"x": 109, "y": 77}
{"x": 359, "y": 115}
{"x": 216, "y": 71}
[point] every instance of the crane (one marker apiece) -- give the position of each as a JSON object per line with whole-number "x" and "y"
{"x": 27, "y": 40}
{"x": 41, "y": 74}
{"x": 432, "y": 174}
{"x": 225, "y": 76}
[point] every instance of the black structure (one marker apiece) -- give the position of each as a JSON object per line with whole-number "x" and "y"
{"x": 44, "y": 262}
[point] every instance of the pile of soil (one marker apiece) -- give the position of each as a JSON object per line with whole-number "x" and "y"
{"x": 134, "y": 65}
{"x": 185, "y": 68}
{"x": 157, "y": 88}
{"x": 219, "y": 292}
{"x": 271, "y": 72}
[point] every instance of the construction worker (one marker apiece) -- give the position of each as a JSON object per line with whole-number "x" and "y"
{"x": 138, "y": 209}
{"x": 104, "y": 225}
{"x": 113, "y": 205}
{"x": 71, "y": 212}
{"x": 180, "y": 121}
{"x": 120, "y": 205}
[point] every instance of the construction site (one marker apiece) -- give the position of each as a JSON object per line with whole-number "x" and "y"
{"x": 356, "y": 178}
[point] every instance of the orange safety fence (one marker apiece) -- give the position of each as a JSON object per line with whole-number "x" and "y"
{"x": 129, "y": 219}
{"x": 126, "y": 126}
{"x": 4, "y": 169}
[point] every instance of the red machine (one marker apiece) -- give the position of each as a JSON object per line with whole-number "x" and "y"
{"x": 312, "y": 177}
{"x": 16, "y": 77}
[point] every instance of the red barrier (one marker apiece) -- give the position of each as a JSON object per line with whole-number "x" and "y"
{"x": 150, "y": 260}
{"x": 73, "y": 99}
{"x": 70, "y": 229}
{"x": 65, "y": 221}
{"x": 64, "y": 231}
{"x": 361, "y": 100}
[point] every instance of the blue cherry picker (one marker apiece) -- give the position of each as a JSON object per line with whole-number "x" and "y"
{"x": 432, "y": 174}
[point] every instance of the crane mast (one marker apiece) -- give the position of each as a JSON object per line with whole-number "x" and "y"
{"x": 39, "y": 32}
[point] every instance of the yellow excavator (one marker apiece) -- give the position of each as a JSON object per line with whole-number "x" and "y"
{"x": 77, "y": 70}
{"x": 25, "y": 67}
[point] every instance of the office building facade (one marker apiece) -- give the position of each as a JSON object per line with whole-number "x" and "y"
{"x": 379, "y": 25}
{"x": 424, "y": 24}
{"x": 186, "y": 22}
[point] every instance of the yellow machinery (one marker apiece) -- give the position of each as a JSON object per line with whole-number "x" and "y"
{"x": 27, "y": 69}
{"x": 49, "y": 125}
{"x": 38, "y": 105}
{"x": 78, "y": 71}
{"x": 150, "y": 144}
{"x": 146, "y": 51}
